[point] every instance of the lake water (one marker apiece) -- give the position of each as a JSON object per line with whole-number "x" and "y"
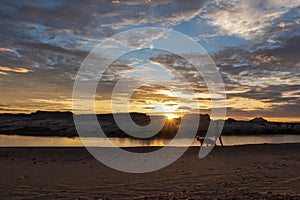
{"x": 28, "y": 141}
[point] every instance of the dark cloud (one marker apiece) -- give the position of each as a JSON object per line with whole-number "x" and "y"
{"x": 270, "y": 94}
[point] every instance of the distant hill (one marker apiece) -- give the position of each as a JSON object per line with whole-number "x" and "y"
{"x": 258, "y": 120}
{"x": 44, "y": 123}
{"x": 50, "y": 115}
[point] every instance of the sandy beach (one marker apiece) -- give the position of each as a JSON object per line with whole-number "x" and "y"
{"x": 237, "y": 172}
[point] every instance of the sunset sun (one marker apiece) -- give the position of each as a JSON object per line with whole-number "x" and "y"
{"x": 171, "y": 116}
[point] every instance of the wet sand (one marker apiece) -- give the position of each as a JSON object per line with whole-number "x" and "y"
{"x": 238, "y": 172}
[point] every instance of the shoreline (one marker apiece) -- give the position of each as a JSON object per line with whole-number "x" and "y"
{"x": 33, "y": 141}
{"x": 145, "y": 147}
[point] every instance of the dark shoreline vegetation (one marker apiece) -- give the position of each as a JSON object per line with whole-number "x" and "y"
{"x": 44, "y": 123}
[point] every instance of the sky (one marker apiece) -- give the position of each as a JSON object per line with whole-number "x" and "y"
{"x": 254, "y": 44}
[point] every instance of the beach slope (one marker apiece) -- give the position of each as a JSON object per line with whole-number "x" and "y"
{"x": 237, "y": 172}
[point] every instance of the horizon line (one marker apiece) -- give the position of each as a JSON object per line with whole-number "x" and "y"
{"x": 269, "y": 119}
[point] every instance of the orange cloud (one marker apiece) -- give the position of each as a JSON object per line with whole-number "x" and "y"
{"x": 282, "y": 25}
{"x": 4, "y": 69}
{"x": 6, "y": 49}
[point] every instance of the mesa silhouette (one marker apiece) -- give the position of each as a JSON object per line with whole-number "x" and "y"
{"x": 45, "y": 123}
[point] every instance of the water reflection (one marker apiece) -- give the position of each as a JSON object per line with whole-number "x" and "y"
{"x": 23, "y": 141}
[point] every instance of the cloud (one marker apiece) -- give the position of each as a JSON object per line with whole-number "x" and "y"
{"x": 247, "y": 19}
{"x": 6, "y": 49}
{"x": 4, "y": 70}
{"x": 257, "y": 81}
{"x": 51, "y": 39}
{"x": 82, "y": 22}
{"x": 266, "y": 80}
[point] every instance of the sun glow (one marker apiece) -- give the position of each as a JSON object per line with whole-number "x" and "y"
{"x": 171, "y": 116}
